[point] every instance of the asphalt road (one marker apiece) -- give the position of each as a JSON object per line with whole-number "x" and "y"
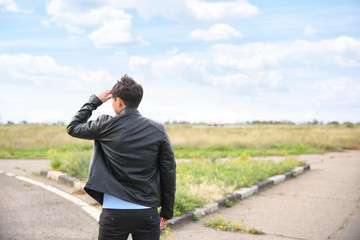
{"x": 30, "y": 212}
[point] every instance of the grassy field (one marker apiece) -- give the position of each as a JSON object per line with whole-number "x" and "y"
{"x": 36, "y": 141}
{"x": 206, "y": 177}
{"x": 192, "y": 141}
{"x": 197, "y": 141}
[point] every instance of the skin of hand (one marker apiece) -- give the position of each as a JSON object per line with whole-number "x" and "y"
{"x": 163, "y": 222}
{"x": 104, "y": 96}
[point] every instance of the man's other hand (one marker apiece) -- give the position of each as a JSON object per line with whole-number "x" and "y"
{"x": 104, "y": 96}
{"x": 163, "y": 222}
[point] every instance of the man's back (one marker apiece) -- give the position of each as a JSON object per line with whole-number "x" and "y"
{"x": 133, "y": 159}
{"x": 131, "y": 144}
{"x": 132, "y": 163}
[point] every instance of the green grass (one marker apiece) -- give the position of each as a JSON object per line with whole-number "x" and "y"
{"x": 221, "y": 223}
{"x": 228, "y": 203}
{"x": 74, "y": 161}
{"x": 185, "y": 202}
{"x": 255, "y": 231}
{"x": 203, "y": 181}
{"x": 233, "y": 151}
{"x": 24, "y": 153}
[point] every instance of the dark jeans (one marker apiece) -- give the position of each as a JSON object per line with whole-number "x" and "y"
{"x": 119, "y": 223}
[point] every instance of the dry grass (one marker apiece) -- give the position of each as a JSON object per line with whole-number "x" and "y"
{"x": 209, "y": 191}
{"x": 20, "y": 137}
{"x": 194, "y": 141}
{"x": 36, "y": 141}
{"x": 189, "y": 135}
{"x": 261, "y": 140}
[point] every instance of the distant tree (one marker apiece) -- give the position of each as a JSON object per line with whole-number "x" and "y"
{"x": 348, "y": 124}
{"x": 61, "y": 123}
{"x": 314, "y": 122}
{"x": 286, "y": 122}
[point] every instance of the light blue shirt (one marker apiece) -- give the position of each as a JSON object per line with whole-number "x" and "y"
{"x": 111, "y": 202}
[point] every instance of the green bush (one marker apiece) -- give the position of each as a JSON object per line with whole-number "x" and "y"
{"x": 185, "y": 203}
{"x": 228, "y": 203}
{"x": 75, "y": 162}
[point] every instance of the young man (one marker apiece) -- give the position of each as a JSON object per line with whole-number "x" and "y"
{"x": 132, "y": 171}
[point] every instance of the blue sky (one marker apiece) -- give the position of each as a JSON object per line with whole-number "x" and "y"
{"x": 198, "y": 61}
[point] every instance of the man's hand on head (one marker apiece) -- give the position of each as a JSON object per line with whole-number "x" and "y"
{"x": 104, "y": 96}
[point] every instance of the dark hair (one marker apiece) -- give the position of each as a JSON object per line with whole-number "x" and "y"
{"x": 128, "y": 90}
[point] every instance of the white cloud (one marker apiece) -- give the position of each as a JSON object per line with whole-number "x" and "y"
{"x": 253, "y": 73}
{"x": 341, "y": 89}
{"x": 181, "y": 66}
{"x": 44, "y": 71}
{"x": 175, "y": 61}
{"x": 247, "y": 56}
{"x": 340, "y": 45}
{"x": 204, "y": 10}
{"x": 137, "y": 61}
{"x": 76, "y": 18}
{"x": 346, "y": 62}
{"x": 343, "y": 51}
{"x": 309, "y": 31}
{"x": 45, "y": 23}
{"x": 170, "y": 9}
{"x": 114, "y": 32}
{"x": 11, "y": 6}
{"x": 257, "y": 71}
{"x": 52, "y": 91}
{"x": 173, "y": 51}
{"x": 108, "y": 25}
{"x": 189, "y": 10}
{"x": 258, "y": 64}
{"x": 255, "y": 62}
{"x": 233, "y": 79}
{"x": 216, "y": 32}
{"x": 273, "y": 78}
{"x": 98, "y": 17}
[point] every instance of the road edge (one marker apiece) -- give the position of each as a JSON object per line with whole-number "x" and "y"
{"x": 198, "y": 212}
{"x": 239, "y": 195}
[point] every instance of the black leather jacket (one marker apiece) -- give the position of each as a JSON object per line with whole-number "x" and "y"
{"x": 132, "y": 157}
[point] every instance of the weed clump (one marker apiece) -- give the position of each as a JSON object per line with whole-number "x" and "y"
{"x": 221, "y": 223}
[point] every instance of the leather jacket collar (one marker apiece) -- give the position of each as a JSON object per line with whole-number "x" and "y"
{"x": 130, "y": 111}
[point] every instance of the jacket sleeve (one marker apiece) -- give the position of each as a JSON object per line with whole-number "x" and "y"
{"x": 80, "y": 127}
{"x": 167, "y": 167}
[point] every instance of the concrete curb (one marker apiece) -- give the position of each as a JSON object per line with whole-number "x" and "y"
{"x": 63, "y": 178}
{"x": 199, "y": 212}
{"x": 239, "y": 195}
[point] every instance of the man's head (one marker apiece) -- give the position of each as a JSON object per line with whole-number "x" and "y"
{"x": 129, "y": 92}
